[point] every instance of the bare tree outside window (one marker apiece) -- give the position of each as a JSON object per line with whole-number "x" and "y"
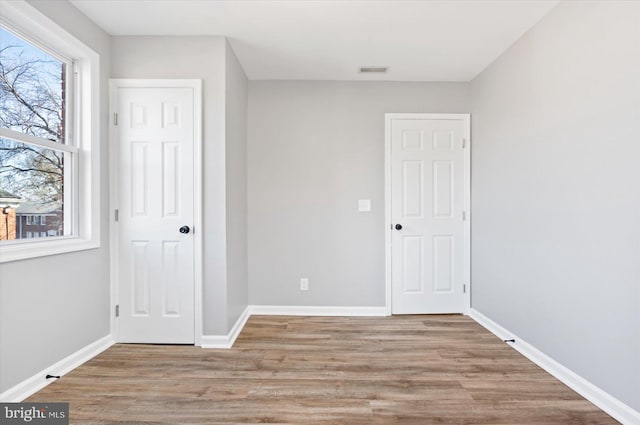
{"x": 32, "y": 100}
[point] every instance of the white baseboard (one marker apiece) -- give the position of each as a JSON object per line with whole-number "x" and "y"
{"x": 226, "y": 341}
{"x": 284, "y": 310}
{"x": 605, "y": 401}
{"x": 34, "y": 384}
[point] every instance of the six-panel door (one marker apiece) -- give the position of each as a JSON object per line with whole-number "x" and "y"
{"x": 155, "y": 199}
{"x": 427, "y": 195}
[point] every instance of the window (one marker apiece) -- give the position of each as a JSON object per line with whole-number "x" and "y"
{"x": 35, "y": 153}
{"x": 49, "y": 138}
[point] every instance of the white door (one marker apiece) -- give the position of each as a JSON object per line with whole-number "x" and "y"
{"x": 428, "y": 178}
{"x": 155, "y": 186}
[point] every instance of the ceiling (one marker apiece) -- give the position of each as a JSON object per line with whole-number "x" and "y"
{"x": 450, "y": 40}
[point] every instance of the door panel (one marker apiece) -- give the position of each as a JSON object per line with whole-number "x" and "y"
{"x": 155, "y": 198}
{"x": 412, "y": 177}
{"x": 413, "y": 264}
{"x": 427, "y": 200}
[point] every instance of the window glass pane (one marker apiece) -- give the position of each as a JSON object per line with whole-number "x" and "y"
{"x": 31, "y": 187}
{"x": 33, "y": 89}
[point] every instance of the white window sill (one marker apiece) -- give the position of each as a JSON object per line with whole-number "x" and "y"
{"x": 27, "y": 250}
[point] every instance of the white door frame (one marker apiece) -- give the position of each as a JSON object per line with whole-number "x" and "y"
{"x": 466, "y": 118}
{"x": 196, "y": 85}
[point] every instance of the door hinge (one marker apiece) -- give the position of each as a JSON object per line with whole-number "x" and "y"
{"x": 464, "y": 289}
{"x": 116, "y": 214}
{"x": 115, "y": 118}
{"x": 118, "y": 310}
{"x": 464, "y": 143}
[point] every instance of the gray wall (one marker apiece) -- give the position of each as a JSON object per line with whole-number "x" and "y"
{"x": 51, "y": 307}
{"x": 556, "y": 196}
{"x": 314, "y": 149}
{"x": 236, "y": 186}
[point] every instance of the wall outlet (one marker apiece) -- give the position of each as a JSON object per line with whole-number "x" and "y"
{"x": 304, "y": 284}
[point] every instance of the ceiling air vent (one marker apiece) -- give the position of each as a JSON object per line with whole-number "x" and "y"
{"x": 374, "y": 69}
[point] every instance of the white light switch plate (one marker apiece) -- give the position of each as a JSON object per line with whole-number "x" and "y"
{"x": 364, "y": 205}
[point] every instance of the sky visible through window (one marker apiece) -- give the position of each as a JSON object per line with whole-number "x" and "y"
{"x": 31, "y": 88}
{"x": 32, "y": 103}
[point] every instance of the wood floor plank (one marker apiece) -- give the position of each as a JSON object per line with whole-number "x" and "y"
{"x": 421, "y": 370}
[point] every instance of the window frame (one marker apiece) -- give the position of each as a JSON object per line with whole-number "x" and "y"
{"x": 82, "y": 138}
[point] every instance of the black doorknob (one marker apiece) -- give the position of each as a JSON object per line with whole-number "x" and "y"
{"x": 184, "y": 229}
{"x": 398, "y": 226}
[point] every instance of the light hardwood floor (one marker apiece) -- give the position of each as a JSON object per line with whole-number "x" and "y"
{"x": 325, "y": 370}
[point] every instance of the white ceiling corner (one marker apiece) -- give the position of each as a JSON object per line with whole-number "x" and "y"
{"x": 440, "y": 40}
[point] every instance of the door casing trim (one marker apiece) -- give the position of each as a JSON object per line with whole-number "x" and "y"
{"x": 196, "y": 85}
{"x": 466, "y": 119}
